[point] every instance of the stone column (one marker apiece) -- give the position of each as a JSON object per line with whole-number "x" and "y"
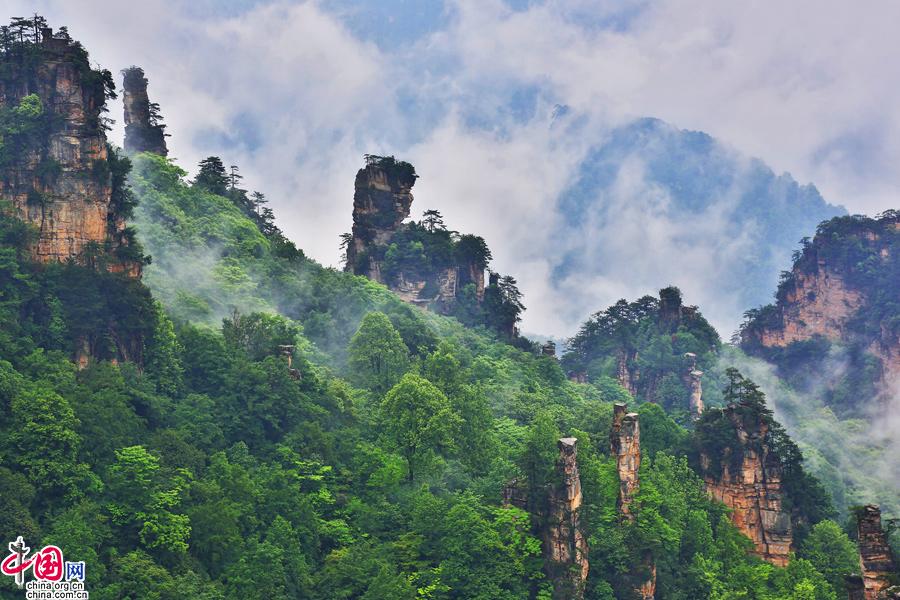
{"x": 565, "y": 547}
{"x": 875, "y": 558}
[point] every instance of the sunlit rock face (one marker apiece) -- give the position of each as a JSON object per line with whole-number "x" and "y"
{"x": 876, "y": 560}
{"x": 143, "y": 132}
{"x": 753, "y": 491}
{"x": 836, "y": 290}
{"x": 61, "y": 181}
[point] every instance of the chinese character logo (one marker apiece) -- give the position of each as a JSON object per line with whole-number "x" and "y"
{"x": 46, "y": 564}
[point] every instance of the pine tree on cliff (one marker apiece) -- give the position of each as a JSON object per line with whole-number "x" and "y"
{"x": 212, "y": 176}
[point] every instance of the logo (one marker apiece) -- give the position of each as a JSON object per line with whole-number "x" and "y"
{"x": 53, "y": 578}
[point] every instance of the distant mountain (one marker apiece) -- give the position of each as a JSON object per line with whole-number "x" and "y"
{"x": 653, "y": 204}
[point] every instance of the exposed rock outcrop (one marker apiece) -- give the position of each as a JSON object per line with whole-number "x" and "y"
{"x": 423, "y": 263}
{"x": 60, "y": 180}
{"x": 694, "y": 383}
{"x": 565, "y": 547}
{"x": 876, "y": 560}
{"x": 549, "y": 349}
{"x": 143, "y": 130}
{"x": 625, "y": 446}
{"x": 749, "y": 482}
{"x": 381, "y": 201}
{"x": 830, "y": 291}
{"x": 856, "y": 589}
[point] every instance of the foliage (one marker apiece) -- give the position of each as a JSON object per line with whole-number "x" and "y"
{"x": 653, "y": 337}
{"x": 184, "y": 458}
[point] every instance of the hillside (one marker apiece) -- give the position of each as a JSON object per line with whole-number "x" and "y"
{"x": 831, "y": 338}
{"x": 840, "y": 296}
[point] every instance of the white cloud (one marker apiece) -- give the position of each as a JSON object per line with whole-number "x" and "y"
{"x": 287, "y": 92}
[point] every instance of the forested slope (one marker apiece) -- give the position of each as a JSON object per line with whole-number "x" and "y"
{"x": 212, "y": 470}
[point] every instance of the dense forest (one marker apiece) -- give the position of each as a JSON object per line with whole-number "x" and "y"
{"x": 218, "y": 471}
{"x": 246, "y": 423}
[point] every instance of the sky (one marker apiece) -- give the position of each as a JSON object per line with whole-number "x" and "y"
{"x": 497, "y": 102}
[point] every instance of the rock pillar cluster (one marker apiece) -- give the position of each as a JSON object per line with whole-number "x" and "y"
{"x": 565, "y": 547}
{"x": 876, "y": 561}
{"x": 750, "y": 485}
{"x": 143, "y": 131}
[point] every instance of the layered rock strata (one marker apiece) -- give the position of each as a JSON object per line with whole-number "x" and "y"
{"x": 625, "y": 446}
{"x": 876, "y": 560}
{"x": 60, "y": 181}
{"x": 752, "y": 488}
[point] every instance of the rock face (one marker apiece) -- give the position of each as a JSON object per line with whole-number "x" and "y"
{"x": 565, "y": 547}
{"x": 751, "y": 486}
{"x": 563, "y": 544}
{"x": 692, "y": 380}
{"x": 836, "y": 291}
{"x": 381, "y": 202}
{"x": 875, "y": 558}
{"x": 61, "y": 181}
{"x": 818, "y": 303}
{"x": 625, "y": 446}
{"x": 143, "y": 131}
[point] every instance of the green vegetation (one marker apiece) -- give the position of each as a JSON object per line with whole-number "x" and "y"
{"x": 374, "y": 470}
{"x": 648, "y": 342}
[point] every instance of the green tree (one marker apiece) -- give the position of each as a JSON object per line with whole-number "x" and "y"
{"x": 44, "y": 444}
{"x": 832, "y": 554}
{"x": 144, "y": 501}
{"x": 378, "y": 356}
{"x": 212, "y": 176}
{"x": 418, "y": 420}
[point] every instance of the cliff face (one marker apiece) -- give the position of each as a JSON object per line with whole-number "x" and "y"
{"x": 875, "y": 558}
{"x": 385, "y": 249}
{"x": 143, "y": 132}
{"x": 840, "y": 289}
{"x": 818, "y": 303}
{"x": 565, "y": 547}
{"x": 61, "y": 181}
{"x": 752, "y": 488}
{"x": 381, "y": 201}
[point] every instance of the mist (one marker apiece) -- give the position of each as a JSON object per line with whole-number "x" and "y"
{"x": 857, "y": 458}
